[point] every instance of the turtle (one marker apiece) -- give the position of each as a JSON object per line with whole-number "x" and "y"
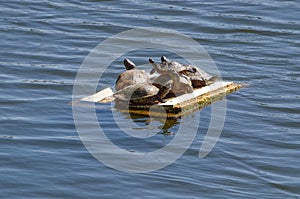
{"x": 198, "y": 77}
{"x": 142, "y": 94}
{"x": 166, "y": 65}
{"x": 160, "y": 80}
{"x": 131, "y": 76}
{"x": 179, "y": 83}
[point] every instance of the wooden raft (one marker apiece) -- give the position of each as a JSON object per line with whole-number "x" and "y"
{"x": 174, "y": 107}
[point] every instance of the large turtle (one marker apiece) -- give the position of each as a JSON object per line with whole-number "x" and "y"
{"x": 142, "y": 94}
{"x": 198, "y": 77}
{"x": 131, "y": 76}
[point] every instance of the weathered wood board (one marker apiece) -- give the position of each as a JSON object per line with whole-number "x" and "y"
{"x": 103, "y": 96}
{"x": 174, "y": 107}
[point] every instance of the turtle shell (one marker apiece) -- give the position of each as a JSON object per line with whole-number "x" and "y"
{"x": 138, "y": 93}
{"x": 160, "y": 80}
{"x": 131, "y": 77}
{"x": 199, "y": 81}
{"x": 181, "y": 84}
{"x": 191, "y": 70}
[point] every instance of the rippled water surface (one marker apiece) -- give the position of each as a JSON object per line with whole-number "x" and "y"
{"x": 43, "y": 44}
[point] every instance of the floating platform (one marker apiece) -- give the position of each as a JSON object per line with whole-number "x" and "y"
{"x": 174, "y": 107}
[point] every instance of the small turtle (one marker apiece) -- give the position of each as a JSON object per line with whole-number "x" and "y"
{"x": 198, "y": 77}
{"x": 131, "y": 76}
{"x": 166, "y": 65}
{"x": 142, "y": 94}
{"x": 181, "y": 84}
{"x": 160, "y": 80}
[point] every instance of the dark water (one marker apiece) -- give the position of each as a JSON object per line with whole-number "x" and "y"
{"x": 43, "y": 44}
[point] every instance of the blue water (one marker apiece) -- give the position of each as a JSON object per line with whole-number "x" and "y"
{"x": 43, "y": 44}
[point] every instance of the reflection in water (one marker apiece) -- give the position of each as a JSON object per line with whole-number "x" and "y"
{"x": 154, "y": 122}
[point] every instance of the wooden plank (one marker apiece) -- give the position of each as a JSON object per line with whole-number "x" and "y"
{"x": 105, "y": 95}
{"x": 175, "y": 107}
{"x": 196, "y": 93}
{"x": 187, "y": 103}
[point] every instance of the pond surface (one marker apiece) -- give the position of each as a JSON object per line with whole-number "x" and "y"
{"x": 43, "y": 44}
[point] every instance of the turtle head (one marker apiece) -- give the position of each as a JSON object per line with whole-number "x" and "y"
{"x": 152, "y": 62}
{"x": 129, "y": 64}
{"x": 193, "y": 70}
{"x": 163, "y": 59}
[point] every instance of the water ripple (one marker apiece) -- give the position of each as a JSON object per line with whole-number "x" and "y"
{"x": 43, "y": 45}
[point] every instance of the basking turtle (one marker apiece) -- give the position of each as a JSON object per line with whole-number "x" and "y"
{"x": 142, "y": 94}
{"x": 160, "y": 80}
{"x": 198, "y": 77}
{"x": 131, "y": 76}
{"x": 166, "y": 65}
{"x": 179, "y": 83}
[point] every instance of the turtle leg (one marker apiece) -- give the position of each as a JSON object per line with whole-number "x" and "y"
{"x": 163, "y": 91}
{"x": 160, "y": 99}
{"x": 190, "y": 89}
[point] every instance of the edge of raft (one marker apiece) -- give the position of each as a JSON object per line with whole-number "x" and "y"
{"x": 174, "y": 107}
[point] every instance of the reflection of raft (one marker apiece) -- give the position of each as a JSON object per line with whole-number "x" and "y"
{"x": 174, "y": 107}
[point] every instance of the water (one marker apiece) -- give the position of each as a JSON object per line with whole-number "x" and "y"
{"x": 43, "y": 44}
